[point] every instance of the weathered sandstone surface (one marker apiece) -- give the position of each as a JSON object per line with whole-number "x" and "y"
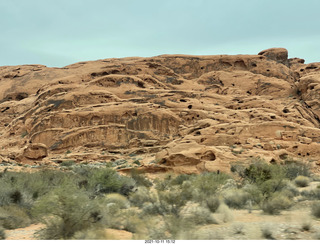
{"x": 178, "y": 113}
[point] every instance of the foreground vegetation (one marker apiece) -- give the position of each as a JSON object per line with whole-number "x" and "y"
{"x": 83, "y": 201}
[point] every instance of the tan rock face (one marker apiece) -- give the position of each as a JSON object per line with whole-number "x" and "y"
{"x": 177, "y": 112}
{"x": 36, "y": 151}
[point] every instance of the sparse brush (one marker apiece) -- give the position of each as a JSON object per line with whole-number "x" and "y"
{"x": 213, "y": 203}
{"x": 140, "y": 179}
{"x": 92, "y": 234}
{"x": 132, "y": 222}
{"x": 276, "y": 204}
{"x": 202, "y": 234}
{"x": 195, "y": 214}
{"x": 120, "y": 200}
{"x": 225, "y": 213}
{"x": 236, "y": 198}
{"x": 141, "y": 196}
{"x": 65, "y": 211}
{"x": 238, "y": 228}
{"x": 295, "y": 168}
{"x": 313, "y": 194}
{"x": 107, "y": 180}
{"x": 302, "y": 181}
{"x": 13, "y": 217}
{"x": 306, "y": 225}
{"x": 267, "y": 232}
{"x": 317, "y": 236}
{"x": 2, "y": 233}
{"x": 315, "y": 209}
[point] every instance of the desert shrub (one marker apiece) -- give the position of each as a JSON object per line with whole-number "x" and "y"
{"x": 141, "y": 196}
{"x": 65, "y": 211}
{"x": 315, "y": 209}
{"x": 238, "y": 228}
{"x": 269, "y": 187}
{"x": 259, "y": 172}
{"x": 255, "y": 193}
{"x": 238, "y": 168}
{"x": 306, "y": 225}
{"x": 111, "y": 215}
{"x": 67, "y": 163}
{"x": 313, "y": 194}
{"x": 208, "y": 183}
{"x": 301, "y": 181}
{"x": 225, "y": 213}
{"x": 92, "y": 234}
{"x": 180, "y": 179}
{"x": 195, "y": 214}
{"x": 140, "y": 179}
{"x": 267, "y": 231}
{"x": 132, "y": 222}
{"x": 295, "y": 168}
{"x": 316, "y": 236}
{"x": 212, "y": 203}
{"x": 108, "y": 180}
{"x": 2, "y": 233}
{"x": 200, "y": 234}
{"x": 236, "y": 198}
{"x": 120, "y": 200}
{"x": 170, "y": 201}
{"x": 290, "y": 190}
{"x": 13, "y": 217}
{"x": 275, "y": 204}
{"x": 24, "y": 188}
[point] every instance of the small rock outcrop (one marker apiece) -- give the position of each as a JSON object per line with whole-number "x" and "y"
{"x": 277, "y": 54}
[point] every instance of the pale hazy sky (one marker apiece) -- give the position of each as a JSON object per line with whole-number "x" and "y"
{"x": 61, "y": 32}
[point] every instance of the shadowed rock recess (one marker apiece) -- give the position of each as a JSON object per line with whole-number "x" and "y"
{"x": 178, "y": 113}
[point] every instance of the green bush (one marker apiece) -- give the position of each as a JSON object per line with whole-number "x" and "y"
{"x": 269, "y": 187}
{"x": 275, "y": 204}
{"x": 255, "y": 193}
{"x": 302, "y": 181}
{"x": 140, "y": 179}
{"x": 65, "y": 211}
{"x": 120, "y": 200}
{"x": 141, "y": 196}
{"x": 195, "y": 214}
{"x": 13, "y": 217}
{"x": 315, "y": 209}
{"x": 212, "y": 203}
{"x": 24, "y": 188}
{"x": 313, "y": 194}
{"x": 107, "y": 180}
{"x": 132, "y": 222}
{"x": 67, "y": 163}
{"x": 236, "y": 198}
{"x": 295, "y": 168}
{"x": 208, "y": 183}
{"x": 2, "y": 233}
{"x": 259, "y": 172}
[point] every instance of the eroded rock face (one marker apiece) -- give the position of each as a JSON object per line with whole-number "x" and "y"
{"x": 36, "y": 151}
{"x": 179, "y": 113}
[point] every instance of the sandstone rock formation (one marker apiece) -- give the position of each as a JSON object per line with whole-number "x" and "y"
{"x": 176, "y": 112}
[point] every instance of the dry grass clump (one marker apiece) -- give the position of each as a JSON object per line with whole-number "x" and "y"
{"x": 236, "y": 198}
{"x": 13, "y": 217}
{"x": 315, "y": 209}
{"x": 302, "y": 181}
{"x": 276, "y": 204}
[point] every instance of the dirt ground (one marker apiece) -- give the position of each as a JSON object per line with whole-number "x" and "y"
{"x": 240, "y": 225}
